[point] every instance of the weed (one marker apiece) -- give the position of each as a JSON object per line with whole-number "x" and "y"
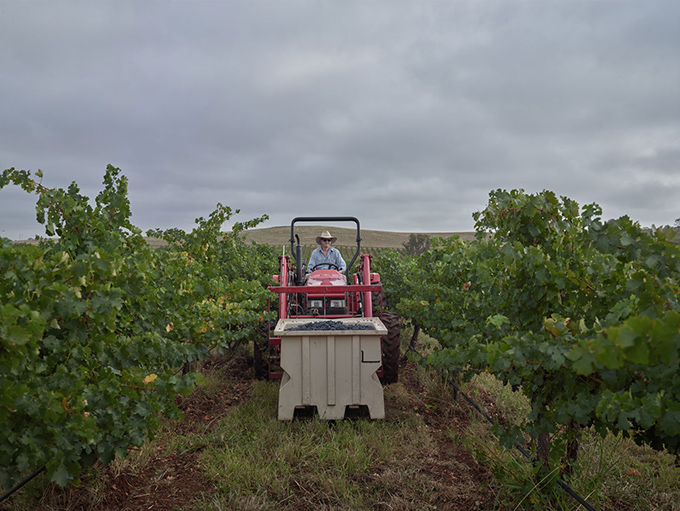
{"x": 431, "y": 452}
{"x": 612, "y": 473}
{"x": 334, "y": 465}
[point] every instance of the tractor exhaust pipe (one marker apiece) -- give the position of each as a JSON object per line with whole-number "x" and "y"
{"x": 298, "y": 260}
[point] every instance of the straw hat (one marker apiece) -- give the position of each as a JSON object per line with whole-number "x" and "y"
{"x": 326, "y": 235}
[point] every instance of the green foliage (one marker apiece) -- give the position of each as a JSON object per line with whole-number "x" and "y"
{"x": 580, "y": 315}
{"x": 397, "y": 272}
{"x": 94, "y": 324}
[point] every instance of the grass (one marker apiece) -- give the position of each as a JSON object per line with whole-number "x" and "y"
{"x": 320, "y": 464}
{"x": 613, "y": 473}
{"x": 431, "y": 452}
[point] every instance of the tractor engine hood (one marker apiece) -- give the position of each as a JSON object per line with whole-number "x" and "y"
{"x": 326, "y": 278}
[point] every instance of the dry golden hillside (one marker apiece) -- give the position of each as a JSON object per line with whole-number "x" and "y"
{"x": 346, "y": 236}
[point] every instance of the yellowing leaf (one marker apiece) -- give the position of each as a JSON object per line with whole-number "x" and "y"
{"x": 151, "y": 378}
{"x": 170, "y": 327}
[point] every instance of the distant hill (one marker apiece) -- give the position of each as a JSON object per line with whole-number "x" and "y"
{"x": 278, "y": 236}
{"x": 154, "y": 242}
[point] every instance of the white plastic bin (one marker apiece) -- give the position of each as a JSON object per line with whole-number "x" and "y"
{"x": 330, "y": 369}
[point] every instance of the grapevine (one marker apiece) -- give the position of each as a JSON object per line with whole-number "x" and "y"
{"x": 94, "y": 324}
{"x": 580, "y": 315}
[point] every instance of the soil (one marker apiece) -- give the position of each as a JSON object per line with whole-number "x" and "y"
{"x": 172, "y": 483}
{"x": 465, "y": 483}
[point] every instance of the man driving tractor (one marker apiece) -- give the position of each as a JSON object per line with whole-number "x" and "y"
{"x": 325, "y": 256}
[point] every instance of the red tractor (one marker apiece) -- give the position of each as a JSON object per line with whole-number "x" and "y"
{"x": 327, "y": 294}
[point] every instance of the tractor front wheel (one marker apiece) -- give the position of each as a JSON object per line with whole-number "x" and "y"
{"x": 390, "y": 344}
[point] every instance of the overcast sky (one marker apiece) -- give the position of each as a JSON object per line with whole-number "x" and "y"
{"x": 405, "y": 114}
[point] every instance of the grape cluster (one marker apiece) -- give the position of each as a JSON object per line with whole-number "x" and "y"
{"x": 330, "y": 325}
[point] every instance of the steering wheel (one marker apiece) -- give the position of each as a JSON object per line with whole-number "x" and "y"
{"x": 331, "y": 266}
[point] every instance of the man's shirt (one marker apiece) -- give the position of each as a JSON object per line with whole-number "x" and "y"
{"x": 318, "y": 257}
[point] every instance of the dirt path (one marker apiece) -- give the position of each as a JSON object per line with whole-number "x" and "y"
{"x": 172, "y": 483}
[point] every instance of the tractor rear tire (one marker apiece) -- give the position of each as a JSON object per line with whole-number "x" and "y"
{"x": 378, "y": 302}
{"x": 261, "y": 353}
{"x": 390, "y": 344}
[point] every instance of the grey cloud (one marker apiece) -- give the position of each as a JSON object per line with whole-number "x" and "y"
{"x": 405, "y": 114}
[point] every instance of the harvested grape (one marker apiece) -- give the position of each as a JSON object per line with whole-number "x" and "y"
{"x": 330, "y": 325}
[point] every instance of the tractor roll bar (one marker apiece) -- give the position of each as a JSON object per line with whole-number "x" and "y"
{"x": 298, "y": 256}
